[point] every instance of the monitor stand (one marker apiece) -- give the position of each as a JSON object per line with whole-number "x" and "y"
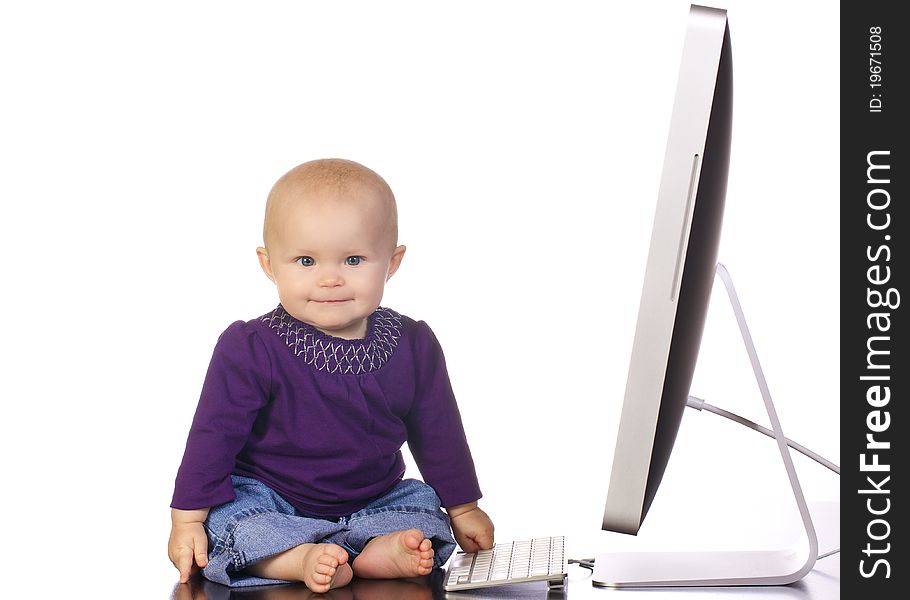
{"x": 724, "y": 568}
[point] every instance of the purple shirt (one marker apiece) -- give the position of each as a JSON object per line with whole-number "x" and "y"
{"x": 321, "y": 420}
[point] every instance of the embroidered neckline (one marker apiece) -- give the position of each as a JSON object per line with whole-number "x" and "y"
{"x": 325, "y": 352}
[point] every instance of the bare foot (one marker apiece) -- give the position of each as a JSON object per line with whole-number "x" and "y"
{"x": 325, "y": 566}
{"x": 320, "y": 566}
{"x": 395, "y": 555}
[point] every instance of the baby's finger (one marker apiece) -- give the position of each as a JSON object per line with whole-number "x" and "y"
{"x": 184, "y": 563}
{"x": 484, "y": 539}
{"x": 467, "y": 543}
{"x": 200, "y": 543}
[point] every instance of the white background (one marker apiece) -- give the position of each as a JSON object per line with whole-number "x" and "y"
{"x": 524, "y": 142}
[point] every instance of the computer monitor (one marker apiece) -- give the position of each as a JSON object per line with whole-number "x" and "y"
{"x": 679, "y": 273}
{"x": 677, "y": 287}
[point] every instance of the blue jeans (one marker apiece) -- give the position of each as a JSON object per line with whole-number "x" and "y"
{"x": 259, "y": 523}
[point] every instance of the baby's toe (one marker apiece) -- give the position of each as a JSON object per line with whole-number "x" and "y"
{"x": 336, "y": 552}
{"x": 325, "y": 569}
{"x": 327, "y": 560}
{"x": 413, "y": 538}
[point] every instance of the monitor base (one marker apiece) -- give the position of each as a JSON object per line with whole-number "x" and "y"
{"x": 723, "y": 568}
{"x": 774, "y": 567}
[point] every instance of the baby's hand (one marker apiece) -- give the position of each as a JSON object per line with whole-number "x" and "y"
{"x": 188, "y": 541}
{"x": 472, "y": 527}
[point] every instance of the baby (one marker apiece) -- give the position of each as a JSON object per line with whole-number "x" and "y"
{"x": 293, "y": 467}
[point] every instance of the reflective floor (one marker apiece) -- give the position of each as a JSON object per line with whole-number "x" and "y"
{"x": 822, "y": 583}
{"x": 422, "y": 588}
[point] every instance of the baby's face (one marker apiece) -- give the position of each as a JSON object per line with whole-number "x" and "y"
{"x": 330, "y": 258}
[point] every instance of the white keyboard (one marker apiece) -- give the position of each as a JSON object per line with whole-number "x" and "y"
{"x": 539, "y": 559}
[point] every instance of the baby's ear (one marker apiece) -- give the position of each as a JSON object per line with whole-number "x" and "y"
{"x": 395, "y": 261}
{"x": 265, "y": 263}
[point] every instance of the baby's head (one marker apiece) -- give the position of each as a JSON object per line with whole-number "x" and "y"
{"x": 331, "y": 243}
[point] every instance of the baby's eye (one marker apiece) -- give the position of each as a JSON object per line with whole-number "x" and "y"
{"x": 353, "y": 261}
{"x": 306, "y": 261}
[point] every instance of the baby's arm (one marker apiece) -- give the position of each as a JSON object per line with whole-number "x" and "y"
{"x": 188, "y": 541}
{"x": 472, "y": 527}
{"x": 236, "y": 387}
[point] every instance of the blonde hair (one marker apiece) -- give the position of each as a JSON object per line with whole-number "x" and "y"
{"x": 333, "y": 173}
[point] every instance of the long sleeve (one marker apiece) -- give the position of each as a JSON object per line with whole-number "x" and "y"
{"x": 436, "y": 435}
{"x": 236, "y": 387}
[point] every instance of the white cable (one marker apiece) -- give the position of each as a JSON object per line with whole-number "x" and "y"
{"x": 699, "y": 404}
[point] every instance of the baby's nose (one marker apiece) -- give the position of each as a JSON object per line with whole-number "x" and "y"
{"x": 331, "y": 279}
